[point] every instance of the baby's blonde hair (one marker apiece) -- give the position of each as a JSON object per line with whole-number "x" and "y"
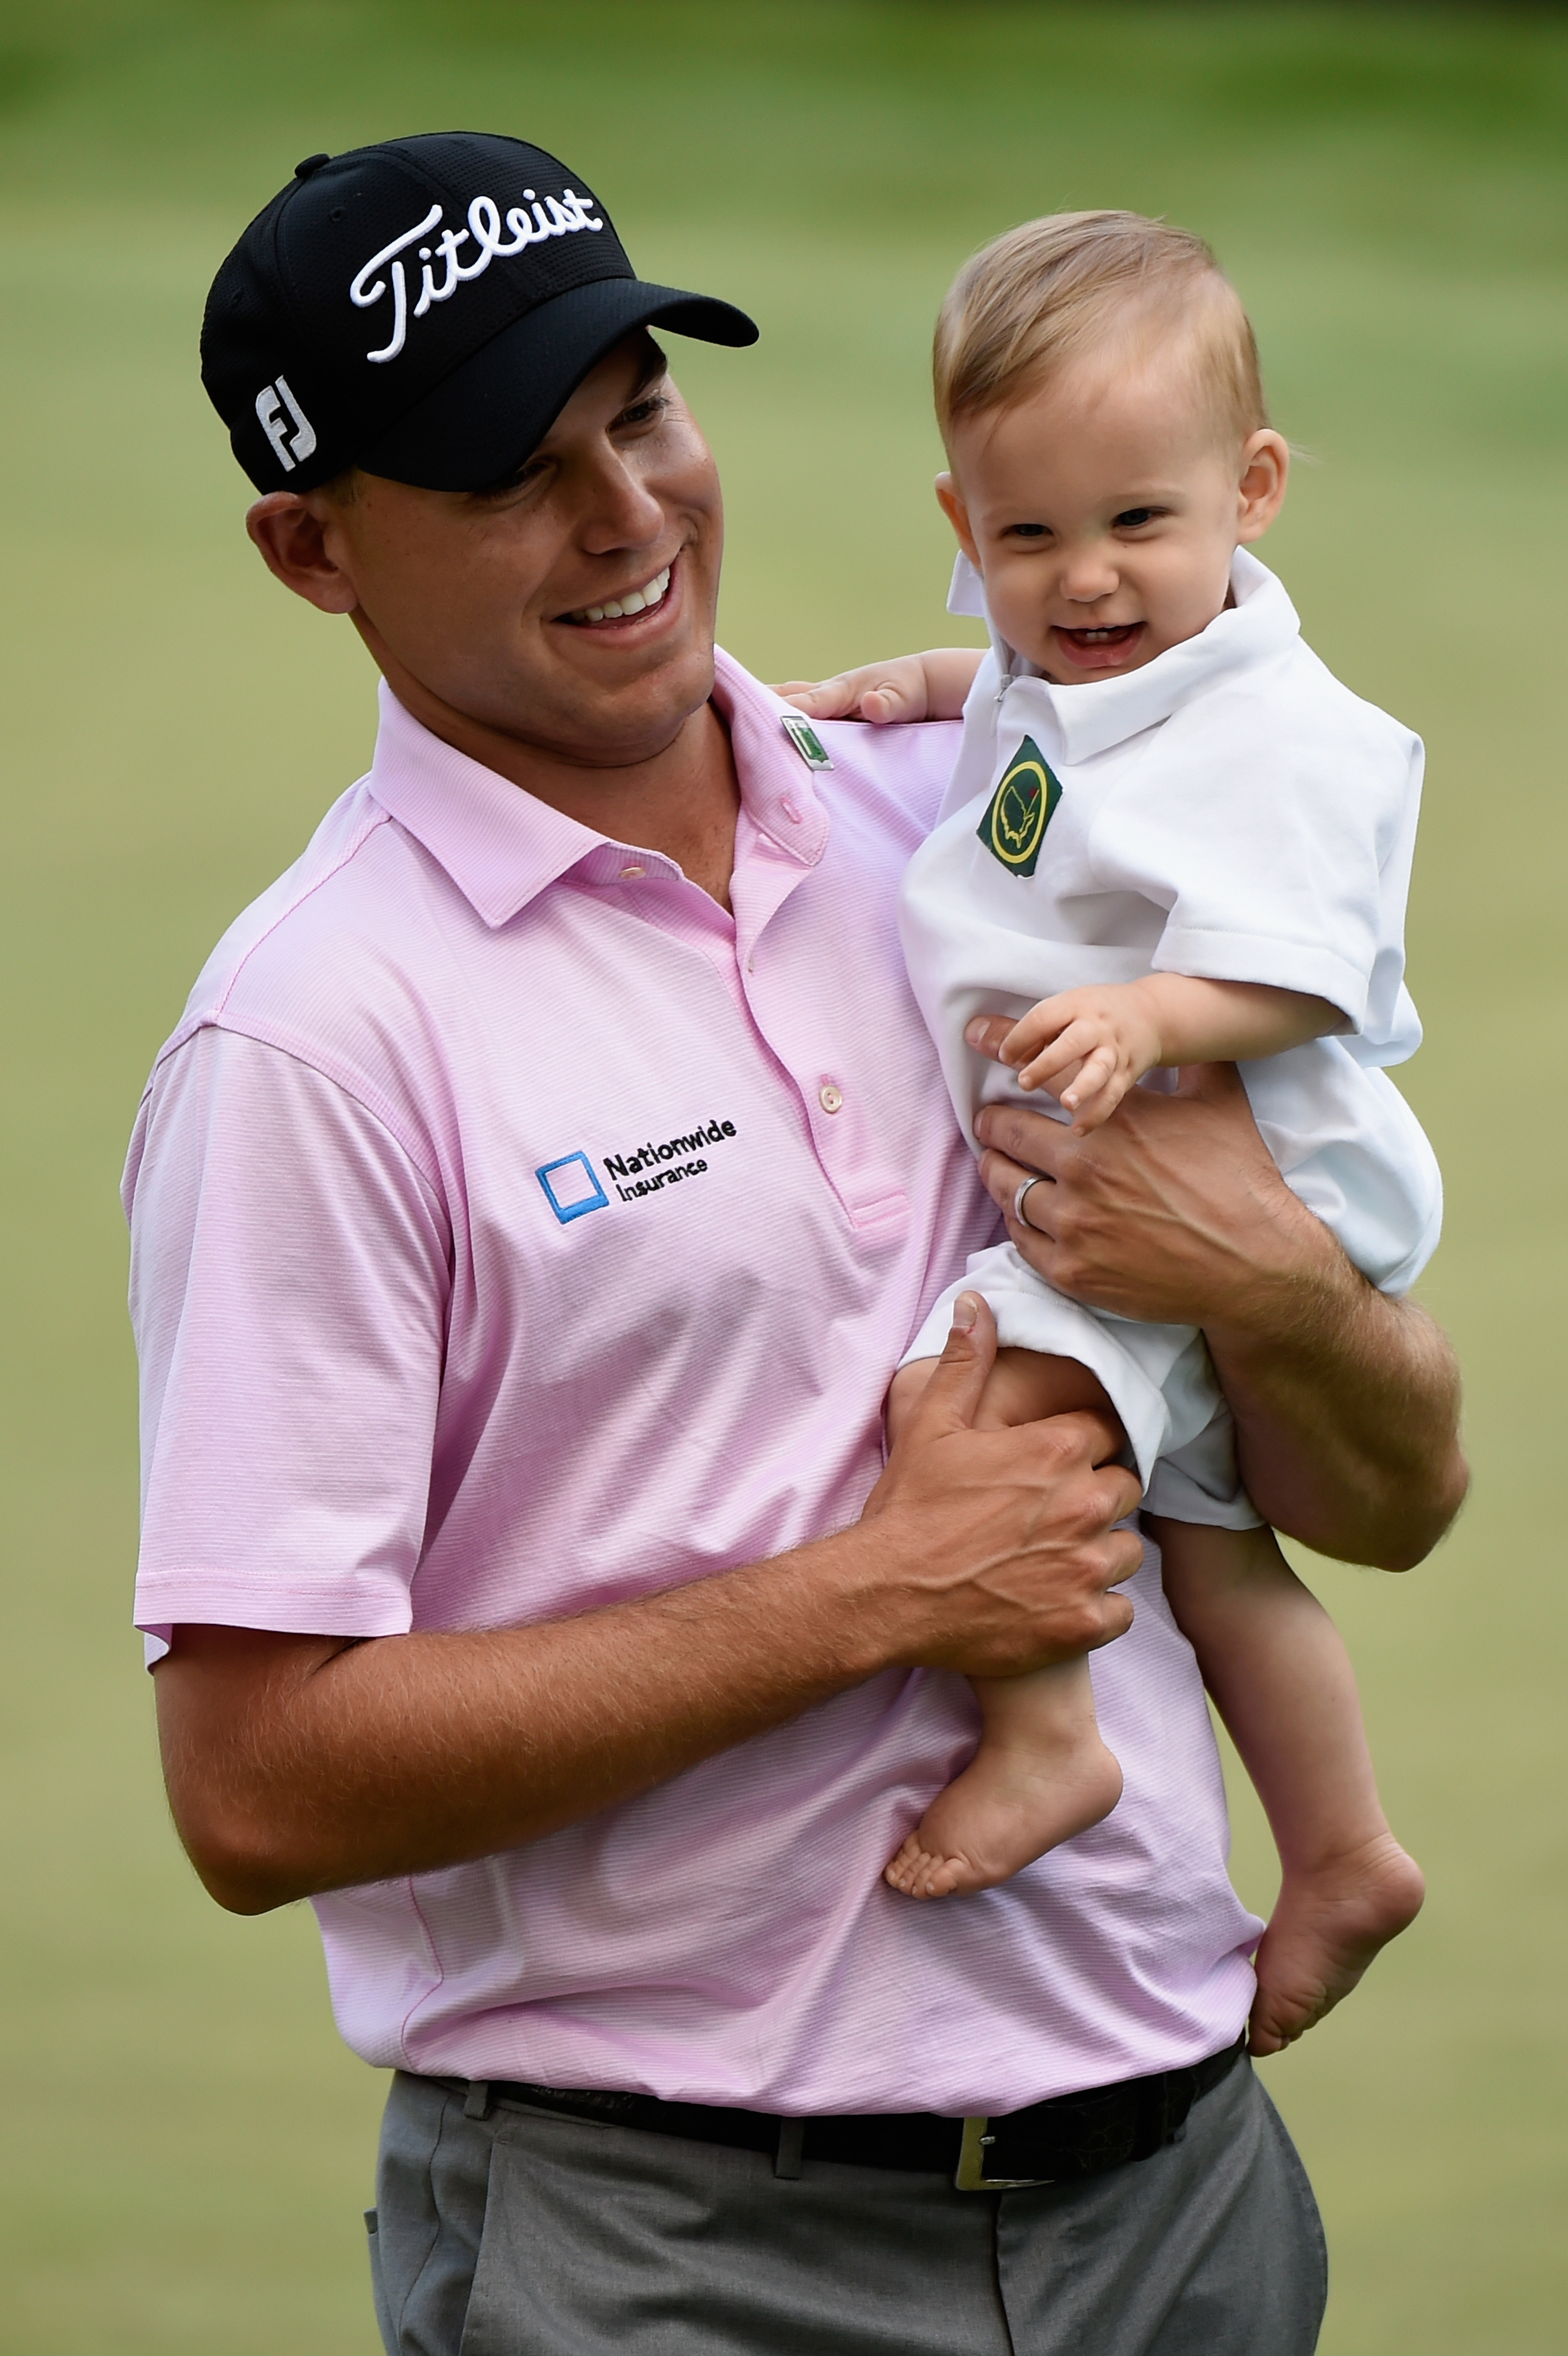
{"x": 1039, "y": 297}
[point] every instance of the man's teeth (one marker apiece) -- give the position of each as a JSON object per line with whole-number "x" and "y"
{"x": 636, "y": 602}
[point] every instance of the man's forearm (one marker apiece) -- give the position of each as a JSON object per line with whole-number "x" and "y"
{"x": 1346, "y": 1401}
{"x": 297, "y": 1765}
{"x": 1347, "y": 1411}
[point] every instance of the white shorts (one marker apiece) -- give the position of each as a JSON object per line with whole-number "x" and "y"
{"x": 1158, "y": 1377}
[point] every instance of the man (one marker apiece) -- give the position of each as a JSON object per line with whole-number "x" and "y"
{"x": 528, "y": 1214}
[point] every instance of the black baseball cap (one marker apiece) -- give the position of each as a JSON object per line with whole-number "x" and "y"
{"x": 423, "y": 308}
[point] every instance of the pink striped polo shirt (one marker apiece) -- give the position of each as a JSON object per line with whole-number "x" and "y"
{"x": 515, "y": 1231}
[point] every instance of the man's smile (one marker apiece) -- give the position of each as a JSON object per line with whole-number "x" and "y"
{"x": 644, "y": 599}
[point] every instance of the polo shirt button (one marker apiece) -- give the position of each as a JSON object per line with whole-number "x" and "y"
{"x": 791, "y": 810}
{"x": 630, "y": 874}
{"x": 829, "y": 1098}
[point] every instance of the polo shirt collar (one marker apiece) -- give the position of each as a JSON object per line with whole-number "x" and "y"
{"x": 778, "y": 791}
{"x": 502, "y": 847}
{"x": 1092, "y": 718}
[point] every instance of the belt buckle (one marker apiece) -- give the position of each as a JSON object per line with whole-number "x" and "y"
{"x": 970, "y": 2175}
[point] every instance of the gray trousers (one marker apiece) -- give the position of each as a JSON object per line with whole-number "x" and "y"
{"x": 521, "y": 2235}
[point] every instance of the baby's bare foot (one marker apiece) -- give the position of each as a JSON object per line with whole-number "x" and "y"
{"x": 1007, "y": 1808}
{"x": 1324, "y": 1932}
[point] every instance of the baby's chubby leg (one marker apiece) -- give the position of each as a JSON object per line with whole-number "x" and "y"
{"x": 1023, "y": 1387}
{"x": 1041, "y": 1772}
{"x": 1281, "y": 1680}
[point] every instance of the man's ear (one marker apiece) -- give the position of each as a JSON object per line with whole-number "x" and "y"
{"x": 295, "y": 531}
{"x": 1266, "y": 469}
{"x": 950, "y": 500}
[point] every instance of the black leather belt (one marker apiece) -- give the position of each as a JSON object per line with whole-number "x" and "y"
{"x": 1058, "y": 2141}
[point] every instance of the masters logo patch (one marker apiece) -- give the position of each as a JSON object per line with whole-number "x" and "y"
{"x": 1020, "y": 809}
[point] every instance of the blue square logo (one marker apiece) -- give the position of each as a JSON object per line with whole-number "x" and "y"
{"x": 571, "y": 1187}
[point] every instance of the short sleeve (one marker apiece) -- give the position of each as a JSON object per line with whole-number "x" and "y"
{"x": 289, "y": 1284}
{"x": 1275, "y": 831}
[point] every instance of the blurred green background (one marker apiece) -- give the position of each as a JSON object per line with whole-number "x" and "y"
{"x": 187, "y": 2147}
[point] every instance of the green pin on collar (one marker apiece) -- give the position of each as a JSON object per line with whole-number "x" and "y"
{"x": 805, "y": 740}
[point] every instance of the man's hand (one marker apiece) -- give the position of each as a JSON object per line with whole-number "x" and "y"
{"x": 1006, "y": 1540}
{"x": 1346, "y": 1400}
{"x": 931, "y": 686}
{"x": 1173, "y": 1212}
{"x": 297, "y": 1765}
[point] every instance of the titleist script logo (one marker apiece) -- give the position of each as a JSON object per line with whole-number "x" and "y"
{"x": 290, "y": 447}
{"x": 560, "y": 216}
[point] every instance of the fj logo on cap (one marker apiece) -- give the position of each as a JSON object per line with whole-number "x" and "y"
{"x": 1020, "y": 809}
{"x": 560, "y": 216}
{"x": 270, "y": 402}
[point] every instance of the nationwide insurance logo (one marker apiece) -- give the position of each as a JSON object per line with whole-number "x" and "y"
{"x": 572, "y": 1186}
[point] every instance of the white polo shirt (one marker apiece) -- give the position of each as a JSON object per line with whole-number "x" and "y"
{"x": 1228, "y": 810}
{"x": 514, "y": 1232}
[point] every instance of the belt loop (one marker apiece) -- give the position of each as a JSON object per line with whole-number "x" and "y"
{"x": 1180, "y": 2095}
{"x": 792, "y": 2144}
{"x": 476, "y": 2105}
{"x": 1141, "y": 2124}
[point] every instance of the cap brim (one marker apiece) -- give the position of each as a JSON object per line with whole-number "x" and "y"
{"x": 488, "y": 415}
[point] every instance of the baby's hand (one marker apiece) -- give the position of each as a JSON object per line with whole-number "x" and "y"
{"x": 1088, "y": 1046}
{"x": 931, "y": 686}
{"x": 879, "y": 693}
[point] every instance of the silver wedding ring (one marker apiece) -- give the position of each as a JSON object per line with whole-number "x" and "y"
{"x": 1019, "y": 1214}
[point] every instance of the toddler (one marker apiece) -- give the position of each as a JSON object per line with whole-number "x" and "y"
{"x": 1171, "y": 838}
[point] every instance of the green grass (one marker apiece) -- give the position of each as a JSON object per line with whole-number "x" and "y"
{"x": 188, "y": 2147}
